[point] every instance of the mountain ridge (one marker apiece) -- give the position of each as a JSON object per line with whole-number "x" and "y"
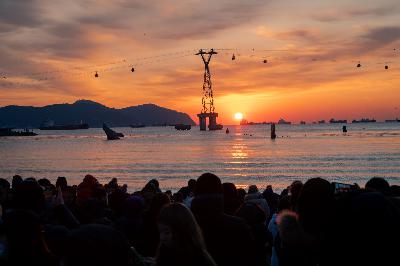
{"x": 90, "y": 112}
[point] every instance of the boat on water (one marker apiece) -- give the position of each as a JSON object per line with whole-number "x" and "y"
{"x": 111, "y": 134}
{"x": 364, "y": 120}
{"x": 5, "y": 132}
{"x": 216, "y": 127}
{"x": 392, "y": 120}
{"x": 302, "y": 122}
{"x": 50, "y": 125}
{"x": 283, "y": 122}
{"x": 339, "y": 121}
{"x": 183, "y": 127}
{"x": 321, "y": 122}
{"x": 137, "y": 126}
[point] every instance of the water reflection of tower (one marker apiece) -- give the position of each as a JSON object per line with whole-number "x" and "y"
{"x": 207, "y": 101}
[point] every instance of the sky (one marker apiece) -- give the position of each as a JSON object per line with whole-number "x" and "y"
{"x": 50, "y": 50}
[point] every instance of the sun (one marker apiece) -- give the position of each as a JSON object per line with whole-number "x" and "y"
{"x": 238, "y": 116}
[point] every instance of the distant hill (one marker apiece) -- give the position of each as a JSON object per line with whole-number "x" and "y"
{"x": 90, "y": 112}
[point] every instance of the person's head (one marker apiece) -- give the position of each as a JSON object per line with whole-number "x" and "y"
{"x": 17, "y": 179}
{"x": 251, "y": 213}
{"x": 97, "y": 245}
{"x": 159, "y": 201}
{"x": 314, "y": 204}
{"x": 29, "y": 195}
{"x": 4, "y": 188}
{"x": 241, "y": 194}
{"x": 253, "y": 189}
{"x": 156, "y": 184}
{"x": 208, "y": 183}
{"x": 44, "y": 182}
{"x": 133, "y": 207}
{"x": 179, "y": 229}
{"x": 230, "y": 191}
{"x": 24, "y": 234}
{"x": 284, "y": 204}
{"x": 192, "y": 185}
{"x": 61, "y": 182}
{"x": 377, "y": 184}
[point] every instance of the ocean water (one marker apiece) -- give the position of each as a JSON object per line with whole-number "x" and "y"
{"x": 245, "y": 156}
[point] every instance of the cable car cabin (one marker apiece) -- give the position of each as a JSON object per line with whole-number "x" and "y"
{"x": 233, "y": 57}
{"x": 358, "y": 65}
{"x": 96, "y": 75}
{"x": 133, "y": 69}
{"x": 265, "y": 61}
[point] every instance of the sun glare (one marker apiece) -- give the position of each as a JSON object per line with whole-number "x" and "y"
{"x": 238, "y": 116}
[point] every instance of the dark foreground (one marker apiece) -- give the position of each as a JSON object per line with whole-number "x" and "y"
{"x": 205, "y": 223}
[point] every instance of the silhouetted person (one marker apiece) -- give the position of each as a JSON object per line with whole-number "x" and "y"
{"x": 228, "y": 239}
{"x": 377, "y": 184}
{"x": 294, "y": 191}
{"x": 344, "y": 129}
{"x": 231, "y": 198}
{"x": 62, "y": 182}
{"x": 181, "y": 240}
{"x": 98, "y": 245}
{"x": 271, "y": 198}
{"x": 25, "y": 241}
{"x": 150, "y": 229}
{"x": 17, "y": 179}
{"x": 255, "y": 218}
{"x": 254, "y": 196}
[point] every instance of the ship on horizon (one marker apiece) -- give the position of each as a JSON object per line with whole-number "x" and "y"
{"x": 392, "y": 120}
{"x": 334, "y": 121}
{"x": 364, "y": 120}
{"x": 50, "y": 125}
{"x": 283, "y": 122}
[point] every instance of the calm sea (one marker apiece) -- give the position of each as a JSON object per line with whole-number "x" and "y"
{"x": 245, "y": 156}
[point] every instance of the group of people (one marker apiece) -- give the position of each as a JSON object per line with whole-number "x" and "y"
{"x": 205, "y": 223}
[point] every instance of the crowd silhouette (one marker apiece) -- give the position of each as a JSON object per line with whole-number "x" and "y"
{"x": 205, "y": 223}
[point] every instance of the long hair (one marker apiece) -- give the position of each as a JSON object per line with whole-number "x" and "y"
{"x": 187, "y": 235}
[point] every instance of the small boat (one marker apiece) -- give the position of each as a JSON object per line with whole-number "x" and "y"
{"x": 321, "y": 122}
{"x": 137, "y": 126}
{"x": 5, "y": 132}
{"x": 216, "y": 127}
{"x": 302, "y": 122}
{"x": 111, "y": 134}
{"x": 183, "y": 127}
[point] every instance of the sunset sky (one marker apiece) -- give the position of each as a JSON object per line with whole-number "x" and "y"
{"x": 50, "y": 50}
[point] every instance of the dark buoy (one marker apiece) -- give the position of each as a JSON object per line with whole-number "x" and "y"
{"x": 96, "y": 75}
{"x": 273, "y": 134}
{"x": 233, "y": 57}
{"x": 344, "y": 129}
{"x": 132, "y": 69}
{"x": 358, "y": 65}
{"x": 386, "y": 67}
{"x": 265, "y": 61}
{"x": 227, "y": 131}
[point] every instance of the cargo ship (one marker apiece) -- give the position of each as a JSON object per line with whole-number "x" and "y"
{"x": 283, "y": 122}
{"x": 334, "y": 121}
{"x": 49, "y": 125}
{"x": 5, "y": 132}
{"x": 364, "y": 120}
{"x": 392, "y": 120}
